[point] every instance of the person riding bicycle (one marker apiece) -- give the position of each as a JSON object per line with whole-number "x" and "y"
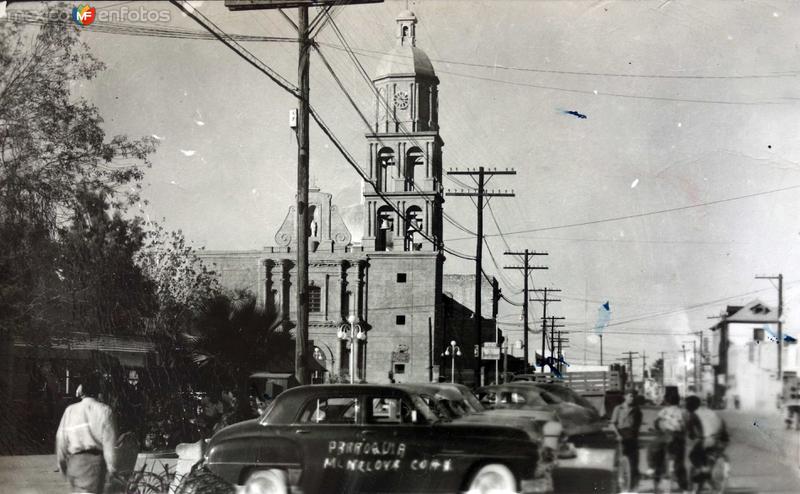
{"x": 671, "y": 427}
{"x": 708, "y": 435}
{"x": 626, "y": 420}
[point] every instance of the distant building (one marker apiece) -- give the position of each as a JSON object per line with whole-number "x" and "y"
{"x": 744, "y": 355}
{"x": 393, "y": 281}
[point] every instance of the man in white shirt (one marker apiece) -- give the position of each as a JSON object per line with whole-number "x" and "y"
{"x": 85, "y": 440}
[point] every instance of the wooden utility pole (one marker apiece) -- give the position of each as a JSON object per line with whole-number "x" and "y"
{"x": 545, "y": 300}
{"x": 483, "y": 176}
{"x": 560, "y": 343}
{"x": 779, "y": 277}
{"x": 526, "y": 269}
{"x": 553, "y": 327}
{"x": 644, "y": 364}
{"x": 630, "y": 364}
{"x": 303, "y": 225}
{"x": 301, "y": 332}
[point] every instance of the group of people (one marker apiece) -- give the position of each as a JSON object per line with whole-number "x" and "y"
{"x": 89, "y": 448}
{"x": 691, "y": 433}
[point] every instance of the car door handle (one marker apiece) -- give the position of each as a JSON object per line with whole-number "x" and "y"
{"x": 302, "y": 431}
{"x": 367, "y": 433}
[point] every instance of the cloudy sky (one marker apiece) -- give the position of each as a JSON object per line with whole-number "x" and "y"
{"x": 679, "y": 186}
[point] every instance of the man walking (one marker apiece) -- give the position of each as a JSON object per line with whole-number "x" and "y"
{"x": 85, "y": 440}
{"x": 626, "y": 419}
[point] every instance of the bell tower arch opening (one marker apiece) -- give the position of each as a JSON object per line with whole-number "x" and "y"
{"x": 405, "y": 150}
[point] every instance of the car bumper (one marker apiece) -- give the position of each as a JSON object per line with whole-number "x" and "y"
{"x": 590, "y": 458}
{"x": 535, "y": 486}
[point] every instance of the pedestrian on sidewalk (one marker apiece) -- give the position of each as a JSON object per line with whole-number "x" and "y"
{"x": 626, "y": 420}
{"x": 85, "y": 440}
{"x": 792, "y": 404}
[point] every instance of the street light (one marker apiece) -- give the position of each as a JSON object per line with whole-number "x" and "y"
{"x": 452, "y": 351}
{"x": 347, "y": 332}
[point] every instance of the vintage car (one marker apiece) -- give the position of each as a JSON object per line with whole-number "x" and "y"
{"x": 595, "y": 449}
{"x": 370, "y": 438}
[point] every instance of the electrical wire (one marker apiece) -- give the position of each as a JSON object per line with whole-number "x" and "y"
{"x": 262, "y": 67}
{"x": 367, "y": 52}
{"x": 647, "y": 213}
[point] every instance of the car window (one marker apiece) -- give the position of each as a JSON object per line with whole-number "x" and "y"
{"x": 388, "y": 411}
{"x": 437, "y": 407}
{"x": 331, "y": 410}
{"x": 487, "y": 398}
{"x": 472, "y": 402}
{"x": 569, "y": 395}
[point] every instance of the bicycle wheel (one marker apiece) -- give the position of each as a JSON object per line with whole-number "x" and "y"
{"x": 720, "y": 471}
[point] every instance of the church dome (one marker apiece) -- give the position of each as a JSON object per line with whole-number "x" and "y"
{"x": 405, "y": 59}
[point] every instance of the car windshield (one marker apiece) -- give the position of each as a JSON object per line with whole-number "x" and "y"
{"x": 568, "y": 395}
{"x": 517, "y": 398}
{"x": 472, "y": 402}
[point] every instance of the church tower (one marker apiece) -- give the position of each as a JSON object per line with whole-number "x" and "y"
{"x": 404, "y": 150}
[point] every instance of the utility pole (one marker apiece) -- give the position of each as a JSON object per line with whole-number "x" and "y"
{"x": 663, "y": 368}
{"x": 303, "y": 225}
{"x": 601, "y": 348}
{"x": 526, "y": 268}
{"x": 685, "y": 373}
{"x": 644, "y": 364}
{"x": 553, "y": 327}
{"x": 779, "y": 277}
{"x": 630, "y": 363}
{"x": 545, "y": 300}
{"x": 496, "y": 294}
{"x": 483, "y": 176}
{"x": 560, "y": 340}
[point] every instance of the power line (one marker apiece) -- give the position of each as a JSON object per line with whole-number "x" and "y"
{"x": 289, "y": 87}
{"x": 367, "y": 52}
{"x": 647, "y": 213}
{"x": 607, "y": 93}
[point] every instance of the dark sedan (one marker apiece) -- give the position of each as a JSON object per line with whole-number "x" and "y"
{"x": 593, "y": 464}
{"x": 370, "y": 438}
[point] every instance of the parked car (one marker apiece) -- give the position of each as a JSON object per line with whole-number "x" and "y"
{"x": 594, "y": 464}
{"x": 368, "y": 438}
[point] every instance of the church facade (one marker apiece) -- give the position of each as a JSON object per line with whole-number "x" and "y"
{"x": 383, "y": 303}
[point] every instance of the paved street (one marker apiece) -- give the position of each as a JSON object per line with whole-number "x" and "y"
{"x": 765, "y": 458}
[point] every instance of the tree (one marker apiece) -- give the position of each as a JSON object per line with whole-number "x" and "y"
{"x": 52, "y": 149}
{"x": 657, "y": 370}
{"x": 182, "y": 282}
{"x": 105, "y": 292}
{"x": 233, "y": 337}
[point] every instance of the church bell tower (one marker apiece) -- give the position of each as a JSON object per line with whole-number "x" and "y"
{"x": 404, "y": 150}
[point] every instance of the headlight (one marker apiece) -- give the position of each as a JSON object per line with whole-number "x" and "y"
{"x": 567, "y": 450}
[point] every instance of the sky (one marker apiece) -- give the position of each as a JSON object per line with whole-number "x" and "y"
{"x": 690, "y": 107}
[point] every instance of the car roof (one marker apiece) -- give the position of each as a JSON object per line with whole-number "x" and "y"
{"x": 288, "y": 404}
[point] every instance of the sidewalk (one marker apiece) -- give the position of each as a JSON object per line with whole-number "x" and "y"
{"x": 38, "y": 474}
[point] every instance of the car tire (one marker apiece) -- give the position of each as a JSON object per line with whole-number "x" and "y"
{"x": 493, "y": 478}
{"x": 266, "y": 482}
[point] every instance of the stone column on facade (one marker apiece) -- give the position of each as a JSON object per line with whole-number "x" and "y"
{"x": 265, "y": 299}
{"x": 285, "y": 293}
{"x": 344, "y": 306}
{"x": 361, "y": 305}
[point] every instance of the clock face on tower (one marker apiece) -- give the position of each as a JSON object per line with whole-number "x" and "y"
{"x": 401, "y": 100}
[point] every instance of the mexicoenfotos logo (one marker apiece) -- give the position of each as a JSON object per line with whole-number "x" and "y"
{"x": 83, "y": 15}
